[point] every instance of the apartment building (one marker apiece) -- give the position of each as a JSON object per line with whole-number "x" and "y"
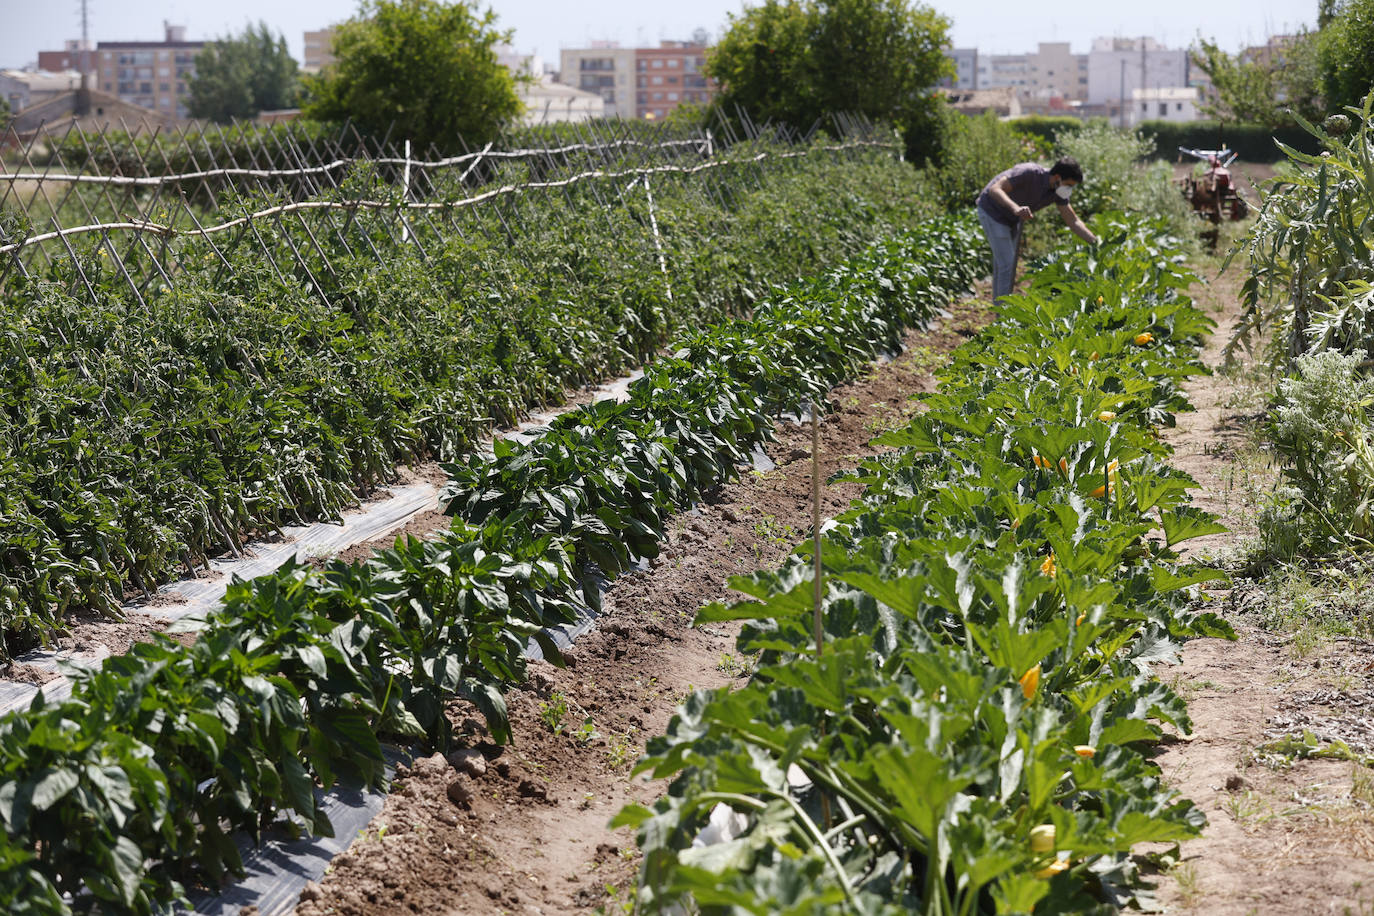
{"x": 604, "y": 68}
{"x": 71, "y": 57}
{"x": 1048, "y": 76}
{"x": 1005, "y": 71}
{"x": 639, "y": 82}
{"x": 1118, "y": 66}
{"x": 1172, "y": 103}
{"x": 965, "y": 69}
{"x": 150, "y": 74}
{"x": 670, "y": 75}
{"x": 319, "y": 50}
{"x": 1057, "y": 73}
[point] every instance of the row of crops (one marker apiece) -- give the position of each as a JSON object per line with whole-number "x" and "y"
{"x": 964, "y": 725}
{"x": 135, "y": 787}
{"x": 161, "y": 403}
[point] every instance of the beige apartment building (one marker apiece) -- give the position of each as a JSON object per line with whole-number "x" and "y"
{"x": 319, "y": 50}
{"x": 645, "y": 83}
{"x": 604, "y": 68}
{"x": 1050, "y": 76}
{"x": 150, "y": 74}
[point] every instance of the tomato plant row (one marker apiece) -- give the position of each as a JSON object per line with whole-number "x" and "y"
{"x": 288, "y": 371}
{"x": 133, "y": 787}
{"x": 970, "y": 736}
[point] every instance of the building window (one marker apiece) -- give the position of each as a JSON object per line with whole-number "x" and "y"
{"x": 1178, "y": 106}
{"x": 163, "y": 87}
{"x": 642, "y": 97}
{"x": 1163, "y": 109}
{"x": 658, "y": 81}
{"x": 164, "y": 71}
{"x": 657, "y": 64}
{"x": 641, "y": 65}
{"x": 672, "y": 96}
{"x": 674, "y": 62}
{"x": 658, "y": 96}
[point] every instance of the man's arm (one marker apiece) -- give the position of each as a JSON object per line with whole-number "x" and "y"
{"x": 1001, "y": 193}
{"x": 1074, "y": 223}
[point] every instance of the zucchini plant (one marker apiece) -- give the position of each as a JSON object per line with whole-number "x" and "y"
{"x": 969, "y": 735}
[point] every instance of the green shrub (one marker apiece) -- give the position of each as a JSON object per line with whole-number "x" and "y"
{"x": 977, "y": 149}
{"x": 1048, "y": 127}
{"x": 1323, "y": 428}
{"x": 1254, "y": 142}
{"x": 1118, "y": 176}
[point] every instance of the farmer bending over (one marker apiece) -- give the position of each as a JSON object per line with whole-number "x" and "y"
{"x": 1013, "y": 197}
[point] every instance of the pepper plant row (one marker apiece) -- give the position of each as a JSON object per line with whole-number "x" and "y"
{"x": 134, "y": 788}
{"x": 284, "y": 375}
{"x": 970, "y": 734}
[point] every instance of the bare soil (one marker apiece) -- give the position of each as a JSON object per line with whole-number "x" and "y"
{"x": 1290, "y": 836}
{"x": 523, "y": 829}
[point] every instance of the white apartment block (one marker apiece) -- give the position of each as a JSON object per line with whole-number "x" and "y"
{"x": 605, "y": 69}
{"x": 1173, "y": 103}
{"x": 1004, "y": 71}
{"x": 1118, "y": 66}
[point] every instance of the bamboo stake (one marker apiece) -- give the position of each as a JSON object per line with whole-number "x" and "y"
{"x": 816, "y": 529}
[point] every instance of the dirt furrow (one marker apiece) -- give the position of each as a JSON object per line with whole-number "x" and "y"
{"x": 1284, "y": 836}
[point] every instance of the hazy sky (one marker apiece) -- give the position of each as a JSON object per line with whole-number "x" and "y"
{"x": 543, "y": 26}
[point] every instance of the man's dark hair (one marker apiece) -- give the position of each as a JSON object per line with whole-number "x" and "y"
{"x": 1068, "y": 169}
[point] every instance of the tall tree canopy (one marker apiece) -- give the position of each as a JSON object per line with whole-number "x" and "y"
{"x": 237, "y": 77}
{"x": 1347, "y": 53}
{"x": 797, "y": 61}
{"x": 1262, "y": 89}
{"x": 424, "y": 69}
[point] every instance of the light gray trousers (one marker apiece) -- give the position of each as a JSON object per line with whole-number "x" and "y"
{"x": 1002, "y": 238}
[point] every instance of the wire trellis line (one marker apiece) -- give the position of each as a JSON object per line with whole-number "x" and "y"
{"x": 150, "y": 209}
{"x": 153, "y": 181}
{"x": 353, "y": 205}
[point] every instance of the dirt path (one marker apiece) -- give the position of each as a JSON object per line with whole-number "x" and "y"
{"x": 522, "y": 829}
{"x": 1285, "y": 835}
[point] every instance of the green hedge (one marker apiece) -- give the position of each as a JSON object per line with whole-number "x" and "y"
{"x": 1254, "y": 142}
{"x": 1047, "y": 127}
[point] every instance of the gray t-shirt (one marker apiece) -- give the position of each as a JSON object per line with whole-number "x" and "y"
{"x": 1030, "y": 187}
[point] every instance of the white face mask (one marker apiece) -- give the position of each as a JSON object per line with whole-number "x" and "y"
{"x": 1063, "y": 192}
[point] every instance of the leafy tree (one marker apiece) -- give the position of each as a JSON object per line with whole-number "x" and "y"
{"x": 425, "y": 70}
{"x": 237, "y": 77}
{"x": 4, "y": 112}
{"x": 798, "y": 61}
{"x": 1346, "y": 57}
{"x": 1262, "y": 90}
